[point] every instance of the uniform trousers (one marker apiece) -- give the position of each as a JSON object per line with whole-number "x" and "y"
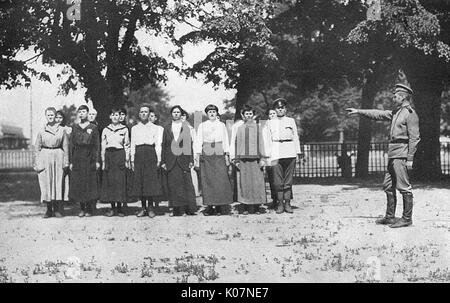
{"x": 283, "y": 173}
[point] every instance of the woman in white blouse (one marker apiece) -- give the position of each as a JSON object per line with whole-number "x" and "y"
{"x": 146, "y": 141}
{"x": 212, "y": 149}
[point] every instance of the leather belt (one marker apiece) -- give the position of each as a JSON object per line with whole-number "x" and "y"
{"x": 281, "y": 141}
{"x": 47, "y": 147}
{"x": 406, "y": 141}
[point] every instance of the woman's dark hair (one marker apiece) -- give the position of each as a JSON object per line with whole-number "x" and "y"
{"x": 184, "y": 113}
{"x": 60, "y": 113}
{"x": 268, "y": 111}
{"x": 81, "y": 107}
{"x": 211, "y": 107}
{"x": 247, "y": 108}
{"x": 175, "y": 107}
{"x": 114, "y": 110}
{"x": 122, "y": 110}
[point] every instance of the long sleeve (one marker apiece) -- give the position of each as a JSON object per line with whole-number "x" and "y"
{"x": 37, "y": 147}
{"x": 133, "y": 143}
{"x": 296, "y": 138}
{"x": 97, "y": 147}
{"x": 267, "y": 138}
{"x": 126, "y": 145}
{"x": 158, "y": 144}
{"x": 225, "y": 143}
{"x": 103, "y": 144}
{"x": 65, "y": 147}
{"x": 233, "y": 143}
{"x": 376, "y": 114}
{"x": 261, "y": 142}
{"x": 164, "y": 148}
{"x": 412, "y": 123}
{"x": 198, "y": 142}
{"x": 71, "y": 146}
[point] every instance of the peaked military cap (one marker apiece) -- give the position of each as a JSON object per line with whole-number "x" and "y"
{"x": 403, "y": 88}
{"x": 279, "y": 103}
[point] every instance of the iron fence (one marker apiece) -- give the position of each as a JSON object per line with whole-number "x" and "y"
{"x": 320, "y": 160}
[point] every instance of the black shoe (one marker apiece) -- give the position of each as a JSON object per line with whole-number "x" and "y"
{"x": 49, "y": 212}
{"x": 110, "y": 213}
{"x": 120, "y": 213}
{"x": 82, "y": 212}
{"x": 142, "y": 213}
{"x": 385, "y": 221}
{"x": 287, "y": 207}
{"x": 209, "y": 211}
{"x": 280, "y": 208}
{"x": 151, "y": 213}
{"x": 401, "y": 223}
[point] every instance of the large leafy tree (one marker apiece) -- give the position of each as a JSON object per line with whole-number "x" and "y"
{"x": 239, "y": 31}
{"x": 416, "y": 37}
{"x": 98, "y": 42}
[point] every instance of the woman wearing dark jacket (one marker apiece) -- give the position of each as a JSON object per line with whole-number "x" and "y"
{"x": 177, "y": 160}
{"x": 84, "y": 156}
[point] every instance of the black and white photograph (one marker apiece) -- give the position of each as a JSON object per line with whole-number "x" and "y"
{"x": 224, "y": 141}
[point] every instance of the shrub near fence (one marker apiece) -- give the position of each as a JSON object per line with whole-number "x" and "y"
{"x": 16, "y": 159}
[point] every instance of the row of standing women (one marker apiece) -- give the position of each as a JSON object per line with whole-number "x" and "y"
{"x": 151, "y": 163}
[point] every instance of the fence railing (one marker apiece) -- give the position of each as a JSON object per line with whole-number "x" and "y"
{"x": 16, "y": 159}
{"x": 321, "y": 159}
{"x": 337, "y": 160}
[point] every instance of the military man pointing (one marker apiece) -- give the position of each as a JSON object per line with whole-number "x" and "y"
{"x": 403, "y": 140}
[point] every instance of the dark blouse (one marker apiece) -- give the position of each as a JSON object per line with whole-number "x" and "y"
{"x": 88, "y": 137}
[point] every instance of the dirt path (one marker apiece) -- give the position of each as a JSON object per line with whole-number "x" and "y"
{"x": 331, "y": 237}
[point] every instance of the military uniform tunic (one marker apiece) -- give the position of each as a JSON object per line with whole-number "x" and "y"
{"x": 404, "y": 137}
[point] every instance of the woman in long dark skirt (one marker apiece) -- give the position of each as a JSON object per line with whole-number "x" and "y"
{"x": 84, "y": 156}
{"x": 115, "y": 159}
{"x": 247, "y": 152}
{"x": 146, "y": 141}
{"x": 212, "y": 149}
{"x": 177, "y": 160}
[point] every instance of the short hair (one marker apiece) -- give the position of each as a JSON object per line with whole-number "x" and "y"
{"x": 50, "y": 109}
{"x": 268, "y": 111}
{"x": 81, "y": 107}
{"x": 93, "y": 110}
{"x": 61, "y": 113}
{"x": 184, "y": 113}
{"x": 175, "y": 107}
{"x": 211, "y": 107}
{"x": 247, "y": 108}
{"x": 150, "y": 109}
{"x": 114, "y": 110}
{"x": 122, "y": 110}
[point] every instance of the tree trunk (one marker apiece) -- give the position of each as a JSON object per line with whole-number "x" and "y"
{"x": 369, "y": 92}
{"x": 427, "y": 89}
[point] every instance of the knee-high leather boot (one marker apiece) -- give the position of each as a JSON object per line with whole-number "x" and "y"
{"x": 389, "y": 218}
{"x": 406, "y": 219}
{"x": 83, "y": 209}
{"x": 58, "y": 209}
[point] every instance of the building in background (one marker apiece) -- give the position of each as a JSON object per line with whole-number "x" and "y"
{"x": 11, "y": 137}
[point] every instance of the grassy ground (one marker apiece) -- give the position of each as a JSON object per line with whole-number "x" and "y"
{"x": 331, "y": 237}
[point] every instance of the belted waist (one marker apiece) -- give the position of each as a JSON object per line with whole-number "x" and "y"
{"x": 142, "y": 145}
{"x": 47, "y": 147}
{"x": 406, "y": 141}
{"x": 281, "y": 141}
{"x": 212, "y": 143}
{"x": 111, "y": 149}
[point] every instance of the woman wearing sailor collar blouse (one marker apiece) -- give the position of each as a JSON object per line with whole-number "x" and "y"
{"x": 84, "y": 155}
{"x": 212, "y": 149}
{"x": 51, "y": 159}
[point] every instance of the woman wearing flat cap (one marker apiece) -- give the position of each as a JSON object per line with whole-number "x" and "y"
{"x": 404, "y": 138}
{"x": 283, "y": 148}
{"x": 212, "y": 149}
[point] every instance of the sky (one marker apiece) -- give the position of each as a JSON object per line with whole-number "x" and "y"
{"x": 191, "y": 94}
